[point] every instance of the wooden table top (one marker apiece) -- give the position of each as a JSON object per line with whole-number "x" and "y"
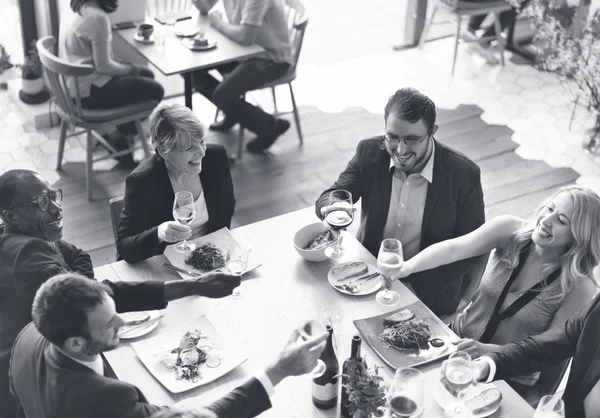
{"x": 275, "y": 299}
{"x": 175, "y": 58}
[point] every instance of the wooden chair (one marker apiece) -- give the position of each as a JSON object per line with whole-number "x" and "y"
{"x": 73, "y": 115}
{"x": 297, "y": 19}
{"x": 177, "y": 9}
{"x": 115, "y": 205}
{"x": 466, "y": 9}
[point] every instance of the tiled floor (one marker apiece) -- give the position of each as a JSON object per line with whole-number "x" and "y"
{"x": 531, "y": 103}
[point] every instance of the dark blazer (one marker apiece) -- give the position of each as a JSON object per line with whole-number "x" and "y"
{"x": 27, "y": 262}
{"x": 149, "y": 202}
{"x": 579, "y": 338}
{"x": 453, "y": 207}
{"x": 49, "y": 384}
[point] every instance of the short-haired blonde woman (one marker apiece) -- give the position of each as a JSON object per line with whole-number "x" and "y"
{"x": 540, "y": 272}
{"x": 183, "y": 162}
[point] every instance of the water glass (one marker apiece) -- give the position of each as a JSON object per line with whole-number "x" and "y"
{"x": 405, "y": 396}
{"x": 550, "y": 406}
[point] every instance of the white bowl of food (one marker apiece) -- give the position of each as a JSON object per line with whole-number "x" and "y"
{"x": 310, "y": 242}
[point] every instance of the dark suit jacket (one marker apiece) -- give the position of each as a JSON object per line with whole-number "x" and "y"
{"x": 27, "y": 262}
{"x": 579, "y": 338}
{"x": 149, "y": 202}
{"x": 453, "y": 207}
{"x": 51, "y": 385}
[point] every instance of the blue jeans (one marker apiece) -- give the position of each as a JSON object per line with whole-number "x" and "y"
{"x": 239, "y": 78}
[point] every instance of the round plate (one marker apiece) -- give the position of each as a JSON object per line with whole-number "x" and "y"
{"x": 141, "y": 40}
{"x": 187, "y": 31}
{"x": 189, "y": 43}
{"x": 369, "y": 287}
{"x": 444, "y": 399}
{"x": 142, "y": 330}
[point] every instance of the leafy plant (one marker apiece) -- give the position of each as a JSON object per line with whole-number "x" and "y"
{"x": 31, "y": 68}
{"x": 5, "y": 63}
{"x": 366, "y": 390}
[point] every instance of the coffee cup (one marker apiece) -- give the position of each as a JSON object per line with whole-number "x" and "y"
{"x": 145, "y": 30}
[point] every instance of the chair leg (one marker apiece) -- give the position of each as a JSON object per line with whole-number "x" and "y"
{"x": 274, "y": 100}
{"x": 143, "y": 140}
{"x": 296, "y": 114}
{"x": 89, "y": 169}
{"x": 61, "y": 143}
{"x": 425, "y": 32}
{"x": 498, "y": 30}
{"x": 240, "y": 142}
{"x": 456, "y": 42}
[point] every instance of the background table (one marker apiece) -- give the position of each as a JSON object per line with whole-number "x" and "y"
{"x": 174, "y": 58}
{"x": 275, "y": 298}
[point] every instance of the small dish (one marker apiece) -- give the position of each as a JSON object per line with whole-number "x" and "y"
{"x": 371, "y": 285}
{"x": 190, "y": 44}
{"x": 142, "y": 330}
{"x": 185, "y": 31}
{"x": 444, "y": 399}
{"x": 149, "y": 40}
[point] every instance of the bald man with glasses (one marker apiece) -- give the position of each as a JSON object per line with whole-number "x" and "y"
{"x": 32, "y": 251}
{"x": 416, "y": 190}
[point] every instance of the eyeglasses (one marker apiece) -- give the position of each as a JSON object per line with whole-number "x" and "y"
{"x": 43, "y": 201}
{"x": 409, "y": 142}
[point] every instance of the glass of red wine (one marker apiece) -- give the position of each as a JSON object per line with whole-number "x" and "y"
{"x": 459, "y": 376}
{"x": 308, "y": 330}
{"x": 405, "y": 396}
{"x": 339, "y": 216}
{"x": 389, "y": 263}
{"x": 184, "y": 212}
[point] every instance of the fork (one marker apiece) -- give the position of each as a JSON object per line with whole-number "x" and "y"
{"x": 366, "y": 278}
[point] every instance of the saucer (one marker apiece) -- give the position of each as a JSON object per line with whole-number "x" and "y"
{"x": 187, "y": 31}
{"x": 149, "y": 40}
{"x": 189, "y": 43}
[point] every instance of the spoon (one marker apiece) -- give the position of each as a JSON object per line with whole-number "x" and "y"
{"x": 355, "y": 288}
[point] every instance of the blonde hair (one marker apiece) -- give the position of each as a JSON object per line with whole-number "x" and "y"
{"x": 577, "y": 263}
{"x": 174, "y": 126}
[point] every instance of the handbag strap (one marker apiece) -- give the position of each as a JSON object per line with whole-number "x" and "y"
{"x": 518, "y": 304}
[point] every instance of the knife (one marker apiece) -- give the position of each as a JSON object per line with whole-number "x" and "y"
{"x": 188, "y": 272}
{"x": 355, "y": 279}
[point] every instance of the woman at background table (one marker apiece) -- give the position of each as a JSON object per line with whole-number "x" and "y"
{"x": 183, "y": 162}
{"x": 558, "y": 249}
{"x": 85, "y": 38}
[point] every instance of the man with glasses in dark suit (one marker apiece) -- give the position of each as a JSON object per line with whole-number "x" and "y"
{"x": 32, "y": 251}
{"x": 414, "y": 189}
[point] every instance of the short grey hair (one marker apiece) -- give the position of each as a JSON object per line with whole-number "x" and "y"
{"x": 174, "y": 126}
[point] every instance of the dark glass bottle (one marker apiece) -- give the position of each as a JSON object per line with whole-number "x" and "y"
{"x": 350, "y": 363}
{"x": 326, "y": 388}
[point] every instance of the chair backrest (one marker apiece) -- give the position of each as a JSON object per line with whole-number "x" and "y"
{"x": 57, "y": 70}
{"x": 115, "y": 205}
{"x": 160, "y": 7}
{"x": 297, "y": 19}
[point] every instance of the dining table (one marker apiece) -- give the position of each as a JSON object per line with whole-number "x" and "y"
{"x": 275, "y": 299}
{"x": 172, "y": 57}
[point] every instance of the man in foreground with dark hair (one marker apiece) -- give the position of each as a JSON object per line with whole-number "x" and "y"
{"x": 32, "y": 251}
{"x": 56, "y": 370}
{"x": 414, "y": 189}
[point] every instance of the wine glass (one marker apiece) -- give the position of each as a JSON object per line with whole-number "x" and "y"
{"x": 459, "y": 376}
{"x": 184, "y": 212}
{"x": 389, "y": 263}
{"x": 405, "y": 396}
{"x": 308, "y": 330}
{"x": 339, "y": 216}
{"x": 550, "y": 406}
{"x": 237, "y": 266}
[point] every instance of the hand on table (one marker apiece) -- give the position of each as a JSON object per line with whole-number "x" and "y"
{"x": 472, "y": 347}
{"x": 296, "y": 358}
{"x": 215, "y": 18}
{"x": 172, "y": 231}
{"x": 215, "y": 284}
{"x": 406, "y": 270}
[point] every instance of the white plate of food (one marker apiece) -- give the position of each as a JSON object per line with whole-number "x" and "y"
{"x": 483, "y": 400}
{"x": 139, "y": 323}
{"x": 355, "y": 271}
{"x": 191, "y": 355}
{"x": 210, "y": 254}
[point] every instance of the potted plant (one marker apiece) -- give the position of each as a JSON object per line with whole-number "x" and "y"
{"x": 366, "y": 390}
{"x": 31, "y": 73}
{"x": 5, "y": 64}
{"x": 570, "y": 48}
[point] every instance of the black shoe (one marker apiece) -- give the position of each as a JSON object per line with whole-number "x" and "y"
{"x": 261, "y": 143}
{"x": 224, "y": 125}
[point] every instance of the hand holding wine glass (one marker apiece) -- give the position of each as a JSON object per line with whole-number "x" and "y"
{"x": 405, "y": 396}
{"x": 389, "y": 263}
{"x": 339, "y": 214}
{"x": 184, "y": 212}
